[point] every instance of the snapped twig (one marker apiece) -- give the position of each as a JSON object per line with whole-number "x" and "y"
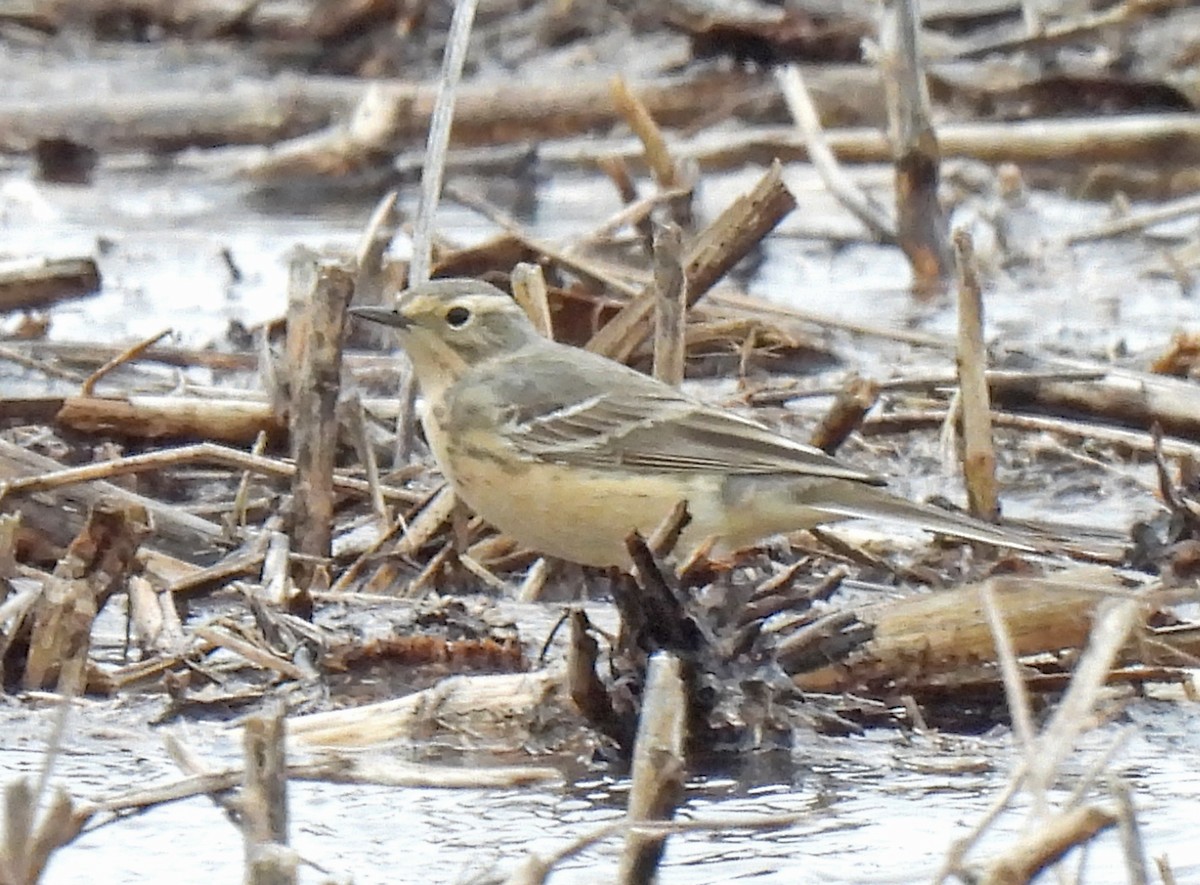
{"x": 851, "y": 403}
{"x": 125, "y": 356}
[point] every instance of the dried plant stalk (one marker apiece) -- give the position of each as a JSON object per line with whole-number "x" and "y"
{"x": 316, "y": 325}
{"x": 236, "y": 421}
{"x": 714, "y": 251}
{"x": 658, "y": 767}
{"x": 670, "y": 305}
{"x": 946, "y": 632}
{"x": 804, "y": 112}
{"x": 94, "y": 567}
{"x": 979, "y": 455}
{"x": 41, "y": 283}
{"x": 920, "y": 221}
{"x": 529, "y": 290}
{"x": 850, "y": 406}
{"x": 639, "y": 119}
{"x": 264, "y": 802}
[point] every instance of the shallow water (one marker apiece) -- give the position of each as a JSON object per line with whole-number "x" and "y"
{"x": 873, "y": 809}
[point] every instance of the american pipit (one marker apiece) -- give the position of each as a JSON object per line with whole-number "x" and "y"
{"x": 568, "y": 451}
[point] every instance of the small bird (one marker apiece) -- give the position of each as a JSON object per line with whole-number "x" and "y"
{"x": 568, "y": 451}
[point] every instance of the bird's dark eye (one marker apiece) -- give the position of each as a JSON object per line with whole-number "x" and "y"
{"x": 457, "y": 316}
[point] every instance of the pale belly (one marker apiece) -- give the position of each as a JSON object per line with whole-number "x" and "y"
{"x": 581, "y": 516}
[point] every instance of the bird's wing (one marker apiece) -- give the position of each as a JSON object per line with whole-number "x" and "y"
{"x": 632, "y": 421}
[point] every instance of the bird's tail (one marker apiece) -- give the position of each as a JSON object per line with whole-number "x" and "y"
{"x": 857, "y": 501}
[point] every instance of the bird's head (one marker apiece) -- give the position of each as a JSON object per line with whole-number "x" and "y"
{"x": 448, "y": 326}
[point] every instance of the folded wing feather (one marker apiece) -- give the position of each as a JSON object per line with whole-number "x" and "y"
{"x": 668, "y": 432}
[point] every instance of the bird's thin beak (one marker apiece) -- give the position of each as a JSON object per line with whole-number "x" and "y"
{"x": 382, "y": 315}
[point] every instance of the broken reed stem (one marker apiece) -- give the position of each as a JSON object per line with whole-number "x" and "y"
{"x": 264, "y": 802}
{"x": 58, "y": 626}
{"x": 1137, "y": 221}
{"x": 10, "y": 528}
{"x": 59, "y": 519}
{"x": 159, "y": 418}
{"x": 618, "y": 173}
{"x": 649, "y": 606}
{"x": 427, "y": 523}
{"x": 850, "y": 405}
{"x": 406, "y": 417}
{"x": 40, "y": 283}
{"x": 50, "y": 370}
{"x": 1031, "y": 12}
{"x": 979, "y": 455}
{"x": 55, "y": 476}
{"x": 28, "y": 840}
{"x": 667, "y": 173}
{"x": 708, "y": 257}
{"x": 242, "y": 496}
{"x": 1123, "y": 441}
{"x": 845, "y": 191}
{"x": 369, "y": 282}
{"x": 356, "y": 418}
{"x": 1010, "y": 669}
{"x": 318, "y": 297}
{"x": 277, "y": 586}
{"x": 145, "y": 614}
{"x": 1114, "y": 621}
{"x": 665, "y": 537}
{"x": 377, "y": 236}
{"x": 1131, "y": 836}
{"x": 1041, "y": 34}
{"x": 362, "y": 140}
{"x": 945, "y": 629}
{"x": 637, "y": 117}
{"x": 529, "y": 290}
{"x": 1165, "y": 871}
{"x": 432, "y": 174}
{"x": 670, "y": 304}
{"x": 658, "y": 767}
{"x": 587, "y": 691}
{"x": 534, "y": 582}
{"x": 438, "y": 140}
{"x": 920, "y": 221}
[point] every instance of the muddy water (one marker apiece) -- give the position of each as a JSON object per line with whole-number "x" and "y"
{"x": 881, "y": 808}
